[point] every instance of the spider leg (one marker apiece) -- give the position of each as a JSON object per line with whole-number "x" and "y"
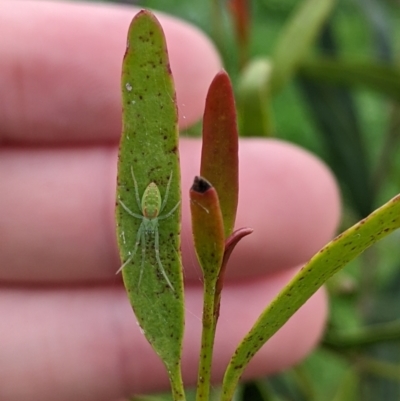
{"x": 143, "y": 240}
{"x": 170, "y": 213}
{"x": 157, "y": 252}
{"x": 164, "y": 202}
{"x": 129, "y": 211}
{"x": 138, "y": 239}
{"x": 136, "y": 190}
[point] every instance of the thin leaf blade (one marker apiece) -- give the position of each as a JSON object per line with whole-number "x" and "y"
{"x": 209, "y": 241}
{"x": 328, "y": 261}
{"x": 149, "y": 154}
{"x": 296, "y": 38}
{"x": 254, "y": 100}
{"x": 383, "y": 78}
{"x": 219, "y": 156}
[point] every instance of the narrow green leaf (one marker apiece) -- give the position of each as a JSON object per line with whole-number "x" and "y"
{"x": 209, "y": 241}
{"x": 383, "y": 78}
{"x": 363, "y": 336}
{"x": 328, "y": 261}
{"x": 254, "y": 100}
{"x": 296, "y": 38}
{"x": 149, "y": 183}
{"x": 219, "y": 157}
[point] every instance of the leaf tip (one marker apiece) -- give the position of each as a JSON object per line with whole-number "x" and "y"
{"x": 200, "y": 185}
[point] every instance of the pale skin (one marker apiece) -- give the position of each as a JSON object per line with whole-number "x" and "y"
{"x": 151, "y": 206}
{"x": 67, "y": 327}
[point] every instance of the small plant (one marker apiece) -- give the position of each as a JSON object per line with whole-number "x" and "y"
{"x": 148, "y": 213}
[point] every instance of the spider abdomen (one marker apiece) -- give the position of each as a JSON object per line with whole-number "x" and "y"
{"x": 151, "y": 201}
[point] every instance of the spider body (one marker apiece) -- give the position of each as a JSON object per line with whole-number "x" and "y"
{"x": 151, "y": 205}
{"x": 151, "y": 201}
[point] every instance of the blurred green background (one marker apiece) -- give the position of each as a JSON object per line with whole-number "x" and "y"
{"x": 342, "y": 103}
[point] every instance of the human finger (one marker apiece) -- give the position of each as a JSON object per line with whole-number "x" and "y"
{"x": 57, "y": 221}
{"x": 60, "y": 71}
{"x": 84, "y": 344}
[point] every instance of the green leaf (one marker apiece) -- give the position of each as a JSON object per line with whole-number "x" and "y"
{"x": 254, "y": 100}
{"x": 209, "y": 242}
{"x": 296, "y": 38}
{"x": 383, "y": 78}
{"x": 328, "y": 261}
{"x": 149, "y": 154}
{"x": 363, "y": 336}
{"x": 219, "y": 156}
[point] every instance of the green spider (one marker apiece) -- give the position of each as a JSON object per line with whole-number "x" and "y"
{"x": 151, "y": 207}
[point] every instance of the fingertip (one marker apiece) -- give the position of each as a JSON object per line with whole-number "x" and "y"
{"x": 84, "y": 43}
{"x": 291, "y": 200}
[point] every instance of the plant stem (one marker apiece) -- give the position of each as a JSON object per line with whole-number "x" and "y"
{"x": 177, "y": 389}
{"x": 207, "y": 342}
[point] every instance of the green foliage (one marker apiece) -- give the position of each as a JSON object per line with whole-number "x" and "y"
{"x": 295, "y": 40}
{"x": 213, "y": 208}
{"x": 209, "y": 242}
{"x": 149, "y": 149}
{"x": 255, "y": 99}
{"x": 328, "y": 261}
{"x": 353, "y": 130}
{"x": 380, "y": 77}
